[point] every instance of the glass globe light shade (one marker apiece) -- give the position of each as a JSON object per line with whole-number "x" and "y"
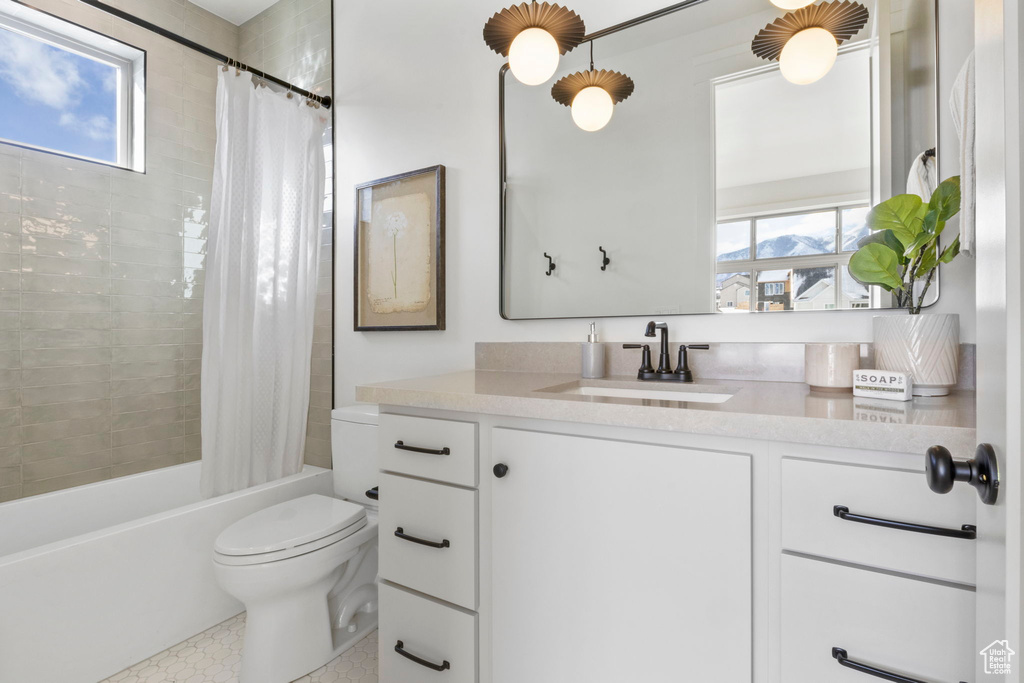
{"x": 791, "y": 4}
{"x": 533, "y": 56}
{"x": 592, "y": 108}
{"x": 808, "y": 56}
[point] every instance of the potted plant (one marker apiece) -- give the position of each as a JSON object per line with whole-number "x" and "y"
{"x": 902, "y": 255}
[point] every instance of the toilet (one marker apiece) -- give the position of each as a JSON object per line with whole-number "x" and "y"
{"x": 306, "y": 569}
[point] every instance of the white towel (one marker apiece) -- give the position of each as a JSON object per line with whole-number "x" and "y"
{"x": 923, "y": 177}
{"x": 962, "y": 104}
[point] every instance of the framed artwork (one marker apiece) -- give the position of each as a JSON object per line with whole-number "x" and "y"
{"x": 399, "y": 252}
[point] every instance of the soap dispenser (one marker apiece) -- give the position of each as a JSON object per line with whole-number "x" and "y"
{"x": 593, "y": 355}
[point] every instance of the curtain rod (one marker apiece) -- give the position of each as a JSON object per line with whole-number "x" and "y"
{"x": 324, "y": 100}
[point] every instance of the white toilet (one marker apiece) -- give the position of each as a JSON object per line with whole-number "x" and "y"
{"x": 306, "y": 569}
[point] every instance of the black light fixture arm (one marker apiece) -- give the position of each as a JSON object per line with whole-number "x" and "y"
{"x": 323, "y": 100}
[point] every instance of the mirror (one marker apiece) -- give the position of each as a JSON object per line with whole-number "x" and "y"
{"x": 717, "y": 186}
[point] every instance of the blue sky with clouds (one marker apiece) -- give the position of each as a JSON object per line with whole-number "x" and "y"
{"x": 56, "y": 99}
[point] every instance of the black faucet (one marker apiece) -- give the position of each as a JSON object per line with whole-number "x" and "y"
{"x": 664, "y": 362}
{"x": 664, "y": 373}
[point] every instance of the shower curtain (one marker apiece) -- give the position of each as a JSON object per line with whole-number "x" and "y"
{"x": 262, "y": 253}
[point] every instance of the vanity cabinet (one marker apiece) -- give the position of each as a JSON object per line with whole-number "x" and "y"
{"x": 543, "y": 551}
{"x": 618, "y": 561}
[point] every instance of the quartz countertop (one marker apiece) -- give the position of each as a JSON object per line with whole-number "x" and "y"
{"x": 776, "y": 411}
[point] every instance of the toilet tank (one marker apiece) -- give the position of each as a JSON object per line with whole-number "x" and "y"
{"x": 354, "y": 451}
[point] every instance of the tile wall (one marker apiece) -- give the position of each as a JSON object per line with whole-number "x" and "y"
{"x": 101, "y": 279}
{"x": 292, "y": 40}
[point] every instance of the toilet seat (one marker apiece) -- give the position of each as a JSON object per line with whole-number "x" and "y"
{"x": 288, "y": 529}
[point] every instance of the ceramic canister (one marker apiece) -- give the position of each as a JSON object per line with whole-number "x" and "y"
{"x": 829, "y": 367}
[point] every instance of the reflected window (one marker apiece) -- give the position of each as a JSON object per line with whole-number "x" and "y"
{"x": 800, "y": 234}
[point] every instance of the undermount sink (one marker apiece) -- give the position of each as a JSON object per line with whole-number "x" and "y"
{"x": 647, "y": 394}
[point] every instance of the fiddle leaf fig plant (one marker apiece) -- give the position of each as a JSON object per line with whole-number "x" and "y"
{"x": 902, "y": 250}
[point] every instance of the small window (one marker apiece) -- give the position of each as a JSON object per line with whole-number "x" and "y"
{"x": 68, "y": 90}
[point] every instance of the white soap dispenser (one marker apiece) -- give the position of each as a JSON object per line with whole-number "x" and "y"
{"x": 593, "y": 355}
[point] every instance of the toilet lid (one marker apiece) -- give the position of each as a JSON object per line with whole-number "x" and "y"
{"x": 290, "y": 524}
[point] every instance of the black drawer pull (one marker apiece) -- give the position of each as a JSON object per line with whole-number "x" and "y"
{"x": 967, "y": 531}
{"x": 400, "y": 532}
{"x": 416, "y": 449}
{"x": 400, "y": 649}
{"x": 374, "y": 493}
{"x": 843, "y": 658}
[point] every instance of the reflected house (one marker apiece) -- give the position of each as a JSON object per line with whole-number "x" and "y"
{"x": 774, "y": 290}
{"x": 821, "y": 296}
{"x": 734, "y": 293}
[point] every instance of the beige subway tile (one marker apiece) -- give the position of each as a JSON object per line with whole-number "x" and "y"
{"x": 65, "y": 482}
{"x": 11, "y": 492}
{"x": 60, "y": 412}
{"x": 62, "y": 320}
{"x": 148, "y": 288}
{"x": 47, "y": 376}
{"x": 69, "y": 284}
{"x": 10, "y": 359}
{"x": 146, "y": 239}
{"x": 139, "y": 271}
{"x": 10, "y": 417}
{"x": 128, "y": 437}
{"x": 10, "y": 398}
{"x": 148, "y": 464}
{"x": 147, "y": 385}
{"x": 10, "y": 476}
{"x": 151, "y": 449}
{"x": 120, "y": 371}
{"x": 147, "y": 321}
{"x": 147, "y": 418}
{"x": 64, "y": 393}
{"x": 12, "y": 437}
{"x": 320, "y": 399}
{"x": 58, "y": 467}
{"x": 58, "y": 265}
{"x": 39, "y": 358}
{"x": 130, "y": 404}
{"x": 10, "y": 456}
{"x": 62, "y": 448}
{"x": 193, "y": 442}
{"x": 50, "y": 301}
{"x": 60, "y": 339}
{"x": 147, "y": 337}
{"x": 146, "y": 304}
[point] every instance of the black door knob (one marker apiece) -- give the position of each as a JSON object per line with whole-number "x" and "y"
{"x": 942, "y": 471}
{"x": 500, "y": 470}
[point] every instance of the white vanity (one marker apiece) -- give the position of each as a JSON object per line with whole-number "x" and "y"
{"x": 530, "y": 532}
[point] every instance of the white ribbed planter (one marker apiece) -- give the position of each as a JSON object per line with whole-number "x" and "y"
{"x": 926, "y": 346}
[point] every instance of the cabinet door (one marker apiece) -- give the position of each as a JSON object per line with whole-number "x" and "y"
{"x": 616, "y": 561}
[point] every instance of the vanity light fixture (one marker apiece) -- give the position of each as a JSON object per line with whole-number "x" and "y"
{"x": 592, "y": 95}
{"x": 533, "y": 35}
{"x": 806, "y": 42}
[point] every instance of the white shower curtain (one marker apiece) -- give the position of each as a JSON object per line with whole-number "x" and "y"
{"x": 261, "y": 270}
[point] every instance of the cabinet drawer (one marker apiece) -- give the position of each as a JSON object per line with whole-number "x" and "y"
{"x": 917, "y": 629}
{"x": 437, "y": 514}
{"x": 811, "y": 490}
{"x": 433, "y": 632}
{"x": 450, "y": 448}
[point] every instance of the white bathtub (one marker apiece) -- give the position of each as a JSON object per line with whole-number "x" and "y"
{"x": 99, "y": 577}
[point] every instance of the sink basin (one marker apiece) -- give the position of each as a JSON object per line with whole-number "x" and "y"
{"x": 648, "y": 394}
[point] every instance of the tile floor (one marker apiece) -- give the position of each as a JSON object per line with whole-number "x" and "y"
{"x": 214, "y": 656}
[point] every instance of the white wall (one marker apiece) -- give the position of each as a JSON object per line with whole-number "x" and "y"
{"x": 415, "y": 85}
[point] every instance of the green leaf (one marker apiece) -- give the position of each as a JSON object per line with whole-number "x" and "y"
{"x": 876, "y": 264}
{"x": 951, "y": 251}
{"x": 922, "y": 240}
{"x": 945, "y": 201}
{"x": 902, "y": 214}
{"x": 928, "y": 261}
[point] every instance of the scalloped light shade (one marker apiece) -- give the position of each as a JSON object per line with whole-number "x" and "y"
{"x": 533, "y": 56}
{"x": 592, "y": 108}
{"x": 808, "y": 56}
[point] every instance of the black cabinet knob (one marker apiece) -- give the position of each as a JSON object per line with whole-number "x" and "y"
{"x": 942, "y": 471}
{"x": 500, "y": 470}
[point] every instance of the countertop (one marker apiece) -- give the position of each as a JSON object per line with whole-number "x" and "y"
{"x": 775, "y": 411}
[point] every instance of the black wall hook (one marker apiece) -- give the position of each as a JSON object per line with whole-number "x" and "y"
{"x": 551, "y": 263}
{"x": 604, "y": 260}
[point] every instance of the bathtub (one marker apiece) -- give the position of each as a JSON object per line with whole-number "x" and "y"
{"x": 96, "y": 578}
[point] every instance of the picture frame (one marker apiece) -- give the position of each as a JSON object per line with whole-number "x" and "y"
{"x": 399, "y": 250}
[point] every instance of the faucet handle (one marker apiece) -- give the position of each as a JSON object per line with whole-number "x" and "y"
{"x": 645, "y": 361}
{"x": 683, "y": 366}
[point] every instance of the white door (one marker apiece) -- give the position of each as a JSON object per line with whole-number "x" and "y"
{"x": 618, "y": 561}
{"x": 998, "y": 36}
